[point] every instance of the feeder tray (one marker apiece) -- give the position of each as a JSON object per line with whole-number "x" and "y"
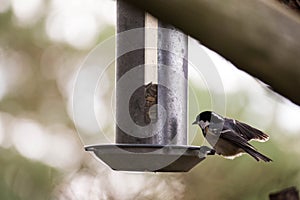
{"x": 152, "y": 158}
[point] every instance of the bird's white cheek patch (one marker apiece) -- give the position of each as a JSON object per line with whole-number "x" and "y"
{"x": 203, "y": 124}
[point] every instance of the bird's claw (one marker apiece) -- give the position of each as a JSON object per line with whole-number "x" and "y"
{"x": 204, "y": 151}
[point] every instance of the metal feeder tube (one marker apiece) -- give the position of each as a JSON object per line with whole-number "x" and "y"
{"x": 172, "y": 74}
{"x": 165, "y": 150}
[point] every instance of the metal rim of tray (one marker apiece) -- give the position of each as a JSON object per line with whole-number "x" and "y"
{"x": 148, "y": 157}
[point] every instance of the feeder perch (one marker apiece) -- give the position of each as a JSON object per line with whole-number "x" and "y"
{"x": 165, "y": 149}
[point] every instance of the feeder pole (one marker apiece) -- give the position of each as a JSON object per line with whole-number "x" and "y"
{"x": 172, "y": 79}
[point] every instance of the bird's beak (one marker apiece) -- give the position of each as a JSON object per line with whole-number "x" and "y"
{"x": 195, "y": 122}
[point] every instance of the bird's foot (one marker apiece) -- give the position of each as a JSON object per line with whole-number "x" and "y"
{"x": 212, "y": 152}
{"x": 204, "y": 151}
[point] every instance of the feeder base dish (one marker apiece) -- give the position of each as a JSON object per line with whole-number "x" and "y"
{"x": 152, "y": 158}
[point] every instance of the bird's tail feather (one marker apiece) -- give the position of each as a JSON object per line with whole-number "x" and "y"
{"x": 256, "y": 155}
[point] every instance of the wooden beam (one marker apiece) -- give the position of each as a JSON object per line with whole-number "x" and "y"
{"x": 259, "y": 36}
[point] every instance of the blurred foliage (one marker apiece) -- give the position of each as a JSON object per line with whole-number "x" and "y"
{"x": 41, "y": 97}
{"x": 24, "y": 179}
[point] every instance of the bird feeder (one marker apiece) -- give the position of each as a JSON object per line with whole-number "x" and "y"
{"x": 157, "y": 141}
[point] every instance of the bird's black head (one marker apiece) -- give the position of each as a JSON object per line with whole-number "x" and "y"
{"x": 205, "y": 116}
{"x": 204, "y": 119}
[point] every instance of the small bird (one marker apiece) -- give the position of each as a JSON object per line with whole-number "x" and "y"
{"x": 229, "y": 137}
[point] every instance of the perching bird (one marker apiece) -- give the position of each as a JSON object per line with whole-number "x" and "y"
{"x": 230, "y": 137}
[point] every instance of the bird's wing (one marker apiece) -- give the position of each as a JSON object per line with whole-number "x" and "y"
{"x": 241, "y": 142}
{"x": 234, "y": 138}
{"x": 246, "y": 131}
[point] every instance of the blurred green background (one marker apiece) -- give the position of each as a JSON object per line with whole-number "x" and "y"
{"x": 43, "y": 43}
